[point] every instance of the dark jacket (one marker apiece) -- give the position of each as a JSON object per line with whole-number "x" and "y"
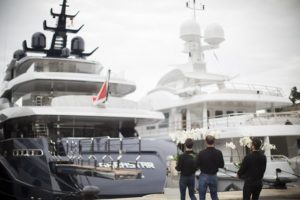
{"x": 186, "y": 163}
{"x": 210, "y": 160}
{"x": 253, "y": 168}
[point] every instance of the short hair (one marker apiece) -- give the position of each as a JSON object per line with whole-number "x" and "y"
{"x": 210, "y": 140}
{"x": 256, "y": 143}
{"x": 189, "y": 143}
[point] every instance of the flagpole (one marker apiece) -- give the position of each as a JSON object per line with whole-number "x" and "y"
{"x": 108, "y": 77}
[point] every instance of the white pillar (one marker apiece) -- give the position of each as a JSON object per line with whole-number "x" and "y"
{"x": 267, "y": 151}
{"x": 204, "y": 116}
{"x": 188, "y": 120}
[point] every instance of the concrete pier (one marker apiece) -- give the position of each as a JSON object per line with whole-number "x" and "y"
{"x": 274, "y": 194}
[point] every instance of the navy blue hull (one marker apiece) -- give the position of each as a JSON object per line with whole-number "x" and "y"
{"x": 24, "y": 176}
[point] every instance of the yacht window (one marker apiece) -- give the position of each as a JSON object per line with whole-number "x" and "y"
{"x": 150, "y": 127}
{"x": 66, "y": 66}
{"x": 38, "y": 67}
{"x": 218, "y": 113}
{"x": 163, "y": 125}
{"x": 165, "y": 122}
{"x": 228, "y": 112}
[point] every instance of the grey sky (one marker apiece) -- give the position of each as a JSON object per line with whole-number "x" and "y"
{"x": 141, "y": 37}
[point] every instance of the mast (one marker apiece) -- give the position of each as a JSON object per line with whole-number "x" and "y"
{"x": 191, "y": 34}
{"x": 58, "y": 46}
{"x": 59, "y": 38}
{"x": 195, "y": 45}
{"x": 194, "y": 7}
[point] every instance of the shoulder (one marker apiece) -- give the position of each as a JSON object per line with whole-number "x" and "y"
{"x": 180, "y": 156}
{"x": 247, "y": 157}
{"x": 194, "y": 154}
{"x": 263, "y": 156}
{"x": 201, "y": 152}
{"x": 218, "y": 151}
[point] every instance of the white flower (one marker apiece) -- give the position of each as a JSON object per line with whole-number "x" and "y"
{"x": 170, "y": 157}
{"x": 195, "y": 134}
{"x": 207, "y": 132}
{"x": 245, "y": 141}
{"x": 173, "y": 136}
{"x": 268, "y": 146}
{"x": 230, "y": 145}
{"x": 181, "y": 139}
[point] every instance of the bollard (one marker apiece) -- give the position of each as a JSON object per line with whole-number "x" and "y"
{"x": 89, "y": 192}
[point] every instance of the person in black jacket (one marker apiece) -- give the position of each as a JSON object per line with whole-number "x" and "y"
{"x": 252, "y": 171}
{"x": 209, "y": 161}
{"x": 186, "y": 165}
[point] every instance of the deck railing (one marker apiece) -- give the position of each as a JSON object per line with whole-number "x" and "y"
{"x": 111, "y": 150}
{"x": 227, "y": 120}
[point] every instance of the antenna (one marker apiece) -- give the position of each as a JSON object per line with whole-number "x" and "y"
{"x": 192, "y": 4}
{"x": 59, "y": 38}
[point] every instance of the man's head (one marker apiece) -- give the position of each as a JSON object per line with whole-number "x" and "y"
{"x": 189, "y": 143}
{"x": 210, "y": 140}
{"x": 256, "y": 144}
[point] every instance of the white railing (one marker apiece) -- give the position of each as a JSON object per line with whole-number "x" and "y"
{"x": 259, "y": 89}
{"x": 227, "y": 87}
{"x": 228, "y": 120}
{"x": 254, "y": 119}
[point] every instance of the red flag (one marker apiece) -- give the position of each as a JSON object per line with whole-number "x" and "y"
{"x": 103, "y": 93}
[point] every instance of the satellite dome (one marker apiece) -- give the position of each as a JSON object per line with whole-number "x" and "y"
{"x": 38, "y": 40}
{"x": 214, "y": 34}
{"x": 77, "y": 45}
{"x": 18, "y": 54}
{"x": 190, "y": 30}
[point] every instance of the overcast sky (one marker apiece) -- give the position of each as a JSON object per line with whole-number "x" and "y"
{"x": 140, "y": 38}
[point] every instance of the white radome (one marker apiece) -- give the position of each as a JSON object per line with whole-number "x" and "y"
{"x": 190, "y": 30}
{"x": 214, "y": 34}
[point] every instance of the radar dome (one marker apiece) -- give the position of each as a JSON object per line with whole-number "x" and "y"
{"x": 38, "y": 40}
{"x": 18, "y": 54}
{"x": 190, "y": 30}
{"x": 77, "y": 45}
{"x": 214, "y": 34}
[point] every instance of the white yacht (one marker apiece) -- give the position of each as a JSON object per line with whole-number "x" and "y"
{"x": 54, "y": 141}
{"x": 193, "y": 99}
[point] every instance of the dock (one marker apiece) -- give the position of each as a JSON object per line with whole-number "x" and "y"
{"x": 292, "y": 193}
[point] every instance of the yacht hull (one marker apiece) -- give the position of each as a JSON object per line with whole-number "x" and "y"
{"x": 25, "y": 175}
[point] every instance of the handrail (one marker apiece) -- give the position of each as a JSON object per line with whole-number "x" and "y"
{"x": 226, "y": 120}
{"x": 103, "y": 145}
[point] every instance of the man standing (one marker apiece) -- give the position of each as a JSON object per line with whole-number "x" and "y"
{"x": 186, "y": 165}
{"x": 252, "y": 171}
{"x": 209, "y": 161}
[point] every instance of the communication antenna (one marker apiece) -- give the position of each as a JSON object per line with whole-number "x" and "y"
{"x": 192, "y": 4}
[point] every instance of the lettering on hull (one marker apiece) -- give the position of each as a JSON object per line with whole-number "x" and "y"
{"x": 129, "y": 165}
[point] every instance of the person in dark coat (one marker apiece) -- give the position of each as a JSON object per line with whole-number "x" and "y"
{"x": 209, "y": 161}
{"x": 252, "y": 171}
{"x": 186, "y": 166}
